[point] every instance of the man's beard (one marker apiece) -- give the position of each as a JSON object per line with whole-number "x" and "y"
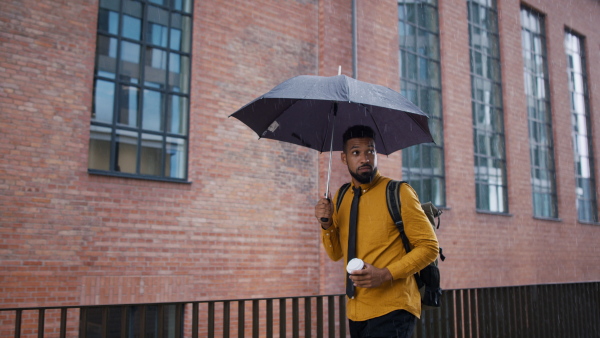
{"x": 364, "y": 178}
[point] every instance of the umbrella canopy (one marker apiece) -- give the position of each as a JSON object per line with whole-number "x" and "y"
{"x": 311, "y": 111}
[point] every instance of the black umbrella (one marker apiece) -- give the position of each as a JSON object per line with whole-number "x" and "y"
{"x": 308, "y": 110}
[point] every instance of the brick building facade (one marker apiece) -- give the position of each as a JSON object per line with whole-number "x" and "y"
{"x": 242, "y": 224}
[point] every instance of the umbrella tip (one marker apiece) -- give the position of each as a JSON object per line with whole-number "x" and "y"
{"x": 340, "y": 70}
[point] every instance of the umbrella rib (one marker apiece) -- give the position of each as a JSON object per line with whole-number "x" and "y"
{"x": 329, "y": 121}
{"x": 411, "y": 116}
{"x": 378, "y": 129}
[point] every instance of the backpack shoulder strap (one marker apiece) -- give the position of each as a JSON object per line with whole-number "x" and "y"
{"x": 393, "y": 202}
{"x": 340, "y": 195}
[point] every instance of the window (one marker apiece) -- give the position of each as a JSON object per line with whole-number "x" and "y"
{"x": 587, "y": 209}
{"x": 422, "y": 165}
{"x": 541, "y": 145}
{"x": 486, "y": 100}
{"x": 140, "y": 113}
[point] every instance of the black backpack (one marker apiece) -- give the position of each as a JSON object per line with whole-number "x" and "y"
{"x": 428, "y": 279}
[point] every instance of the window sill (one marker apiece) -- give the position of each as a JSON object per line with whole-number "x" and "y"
{"x": 495, "y": 213}
{"x": 588, "y": 223}
{"x": 137, "y": 177}
{"x": 552, "y": 219}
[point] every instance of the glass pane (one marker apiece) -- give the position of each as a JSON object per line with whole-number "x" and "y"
{"x": 108, "y": 21}
{"x": 183, "y": 5}
{"x": 126, "y": 147}
{"x": 130, "y": 61}
{"x": 99, "y": 151}
{"x": 153, "y": 106}
{"x": 177, "y": 115}
{"x": 432, "y": 46}
{"x": 175, "y": 42}
{"x": 409, "y": 91}
{"x": 428, "y": 18}
{"x": 426, "y": 158}
{"x": 179, "y": 73}
{"x": 132, "y": 28}
{"x": 110, "y": 4}
{"x": 156, "y": 66}
{"x": 104, "y": 99}
{"x": 151, "y": 155}
{"x": 181, "y": 33}
{"x": 128, "y": 102}
{"x": 411, "y": 66}
{"x": 408, "y": 37}
{"x": 433, "y": 74}
{"x": 410, "y": 13}
{"x": 437, "y": 154}
{"x": 176, "y": 158}
{"x": 158, "y": 23}
{"x": 132, "y": 20}
{"x": 106, "y": 57}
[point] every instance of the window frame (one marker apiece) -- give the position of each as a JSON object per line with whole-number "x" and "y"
{"x": 423, "y": 165}
{"x": 592, "y": 202}
{"x": 539, "y": 114}
{"x": 155, "y": 140}
{"x": 491, "y": 186}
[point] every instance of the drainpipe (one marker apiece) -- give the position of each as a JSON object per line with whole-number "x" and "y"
{"x": 354, "y": 42}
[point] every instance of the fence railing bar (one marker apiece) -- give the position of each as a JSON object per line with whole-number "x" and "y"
{"x": 471, "y": 322}
{"x": 226, "y": 318}
{"x": 124, "y": 316}
{"x": 161, "y": 320}
{"x": 320, "y": 321}
{"x": 270, "y": 318}
{"x": 342, "y": 314}
{"x": 255, "y": 318}
{"x": 104, "y": 316}
{"x": 331, "y": 316}
{"x": 241, "y": 317}
{"x": 82, "y": 322}
{"x": 63, "y": 323}
{"x": 459, "y": 314}
{"x": 18, "y": 316}
{"x": 143, "y": 320}
{"x": 483, "y": 301}
{"x": 449, "y": 303}
{"x": 295, "y": 318}
{"x": 307, "y": 317}
{"x": 282, "y": 317}
{"x": 41, "y": 319}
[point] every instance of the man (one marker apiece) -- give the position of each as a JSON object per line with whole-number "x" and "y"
{"x": 386, "y": 301}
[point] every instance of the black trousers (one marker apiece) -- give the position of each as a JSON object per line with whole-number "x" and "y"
{"x": 396, "y": 324}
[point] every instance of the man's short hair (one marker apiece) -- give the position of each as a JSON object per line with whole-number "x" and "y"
{"x": 358, "y": 131}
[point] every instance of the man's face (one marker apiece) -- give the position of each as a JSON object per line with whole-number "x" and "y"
{"x": 361, "y": 158}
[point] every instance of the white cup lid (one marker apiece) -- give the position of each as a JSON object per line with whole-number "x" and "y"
{"x": 355, "y": 264}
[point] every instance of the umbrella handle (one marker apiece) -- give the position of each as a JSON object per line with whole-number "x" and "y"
{"x": 325, "y": 219}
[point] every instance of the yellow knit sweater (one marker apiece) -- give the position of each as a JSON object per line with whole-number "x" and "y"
{"x": 379, "y": 244}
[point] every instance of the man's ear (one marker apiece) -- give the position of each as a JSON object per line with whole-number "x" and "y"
{"x": 343, "y": 156}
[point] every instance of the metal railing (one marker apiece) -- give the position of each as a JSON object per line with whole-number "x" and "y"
{"x": 558, "y": 310}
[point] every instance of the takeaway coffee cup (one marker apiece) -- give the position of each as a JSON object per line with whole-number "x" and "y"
{"x": 355, "y": 264}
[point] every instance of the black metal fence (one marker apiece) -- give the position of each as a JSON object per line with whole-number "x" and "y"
{"x": 559, "y": 310}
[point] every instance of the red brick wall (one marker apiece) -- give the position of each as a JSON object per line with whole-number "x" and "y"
{"x": 67, "y": 237}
